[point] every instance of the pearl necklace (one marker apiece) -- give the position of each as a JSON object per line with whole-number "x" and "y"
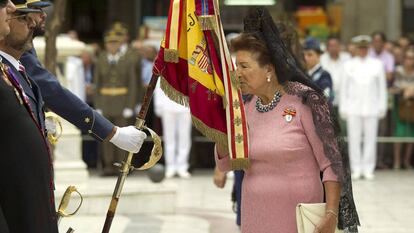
{"x": 267, "y": 107}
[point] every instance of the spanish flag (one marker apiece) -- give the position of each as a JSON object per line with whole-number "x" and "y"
{"x": 196, "y": 71}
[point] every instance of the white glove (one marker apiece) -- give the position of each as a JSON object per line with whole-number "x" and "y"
{"x": 127, "y": 113}
{"x": 50, "y": 125}
{"x": 98, "y": 111}
{"x": 128, "y": 138}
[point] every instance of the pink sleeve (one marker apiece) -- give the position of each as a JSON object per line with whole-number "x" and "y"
{"x": 317, "y": 145}
{"x": 223, "y": 164}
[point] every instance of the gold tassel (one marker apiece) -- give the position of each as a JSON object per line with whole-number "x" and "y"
{"x": 214, "y": 135}
{"x": 173, "y": 94}
{"x": 240, "y": 164}
{"x": 171, "y": 55}
{"x": 207, "y": 22}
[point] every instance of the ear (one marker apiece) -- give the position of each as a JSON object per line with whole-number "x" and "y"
{"x": 270, "y": 69}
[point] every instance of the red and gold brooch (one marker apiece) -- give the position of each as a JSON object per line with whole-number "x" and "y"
{"x": 288, "y": 114}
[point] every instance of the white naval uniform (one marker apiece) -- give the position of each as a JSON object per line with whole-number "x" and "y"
{"x": 363, "y": 102}
{"x": 176, "y": 125}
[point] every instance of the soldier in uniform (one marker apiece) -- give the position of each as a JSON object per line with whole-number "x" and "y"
{"x": 66, "y": 104}
{"x": 26, "y": 197}
{"x": 320, "y": 77}
{"x": 117, "y": 81}
{"x": 134, "y": 56}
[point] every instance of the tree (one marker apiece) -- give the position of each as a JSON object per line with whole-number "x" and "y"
{"x": 52, "y": 31}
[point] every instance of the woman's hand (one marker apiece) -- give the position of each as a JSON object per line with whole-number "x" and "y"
{"x": 327, "y": 224}
{"x": 222, "y": 151}
{"x": 219, "y": 178}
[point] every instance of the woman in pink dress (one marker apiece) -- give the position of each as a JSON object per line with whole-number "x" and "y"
{"x": 295, "y": 151}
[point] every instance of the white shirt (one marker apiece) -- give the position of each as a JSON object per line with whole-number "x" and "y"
{"x": 11, "y": 59}
{"x": 335, "y": 69}
{"x": 313, "y": 69}
{"x": 363, "y": 88}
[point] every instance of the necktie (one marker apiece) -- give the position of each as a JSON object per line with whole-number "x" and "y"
{"x": 22, "y": 71}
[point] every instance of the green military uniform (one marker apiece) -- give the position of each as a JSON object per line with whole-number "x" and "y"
{"x": 118, "y": 82}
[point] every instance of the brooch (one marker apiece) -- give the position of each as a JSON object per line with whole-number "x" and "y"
{"x": 288, "y": 114}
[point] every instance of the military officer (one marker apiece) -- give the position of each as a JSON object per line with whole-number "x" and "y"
{"x": 362, "y": 103}
{"x": 320, "y": 77}
{"x": 26, "y": 197}
{"x": 134, "y": 56}
{"x": 117, "y": 80}
{"x": 66, "y": 104}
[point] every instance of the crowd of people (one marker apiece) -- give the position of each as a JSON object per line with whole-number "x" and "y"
{"x": 372, "y": 85}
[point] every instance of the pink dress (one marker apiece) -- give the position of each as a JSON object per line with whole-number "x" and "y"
{"x": 286, "y": 161}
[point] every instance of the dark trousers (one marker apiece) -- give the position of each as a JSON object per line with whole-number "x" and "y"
{"x": 237, "y": 192}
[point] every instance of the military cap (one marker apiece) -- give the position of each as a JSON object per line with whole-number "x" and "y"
{"x": 361, "y": 40}
{"x": 21, "y": 6}
{"x": 312, "y": 44}
{"x": 38, "y": 3}
{"x": 119, "y": 28}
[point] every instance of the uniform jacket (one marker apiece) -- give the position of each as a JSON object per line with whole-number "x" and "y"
{"x": 63, "y": 102}
{"x": 363, "y": 89}
{"x": 323, "y": 80}
{"x": 118, "y": 85}
{"x": 26, "y": 196}
{"x": 33, "y": 92}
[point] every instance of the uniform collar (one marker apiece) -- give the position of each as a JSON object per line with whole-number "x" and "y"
{"x": 314, "y": 69}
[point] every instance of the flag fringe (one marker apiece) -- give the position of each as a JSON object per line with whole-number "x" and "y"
{"x": 172, "y": 93}
{"x": 207, "y": 22}
{"x": 240, "y": 164}
{"x": 210, "y": 133}
{"x": 171, "y": 55}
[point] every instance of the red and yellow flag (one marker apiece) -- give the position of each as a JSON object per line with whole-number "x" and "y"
{"x": 196, "y": 70}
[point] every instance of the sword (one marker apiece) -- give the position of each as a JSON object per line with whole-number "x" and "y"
{"x": 64, "y": 205}
{"x": 126, "y": 166}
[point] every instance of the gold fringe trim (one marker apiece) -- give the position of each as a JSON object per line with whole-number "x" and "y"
{"x": 207, "y": 22}
{"x": 240, "y": 164}
{"x": 212, "y": 134}
{"x": 234, "y": 80}
{"x": 172, "y": 93}
{"x": 171, "y": 55}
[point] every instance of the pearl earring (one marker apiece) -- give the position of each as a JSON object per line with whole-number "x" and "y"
{"x": 268, "y": 78}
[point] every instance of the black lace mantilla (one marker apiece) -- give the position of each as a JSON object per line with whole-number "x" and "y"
{"x": 334, "y": 149}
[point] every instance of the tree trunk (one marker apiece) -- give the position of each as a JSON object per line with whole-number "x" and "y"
{"x": 52, "y": 31}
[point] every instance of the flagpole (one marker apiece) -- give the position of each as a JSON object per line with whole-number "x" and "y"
{"x": 126, "y": 164}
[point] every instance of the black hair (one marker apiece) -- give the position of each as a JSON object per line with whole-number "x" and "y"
{"x": 380, "y": 34}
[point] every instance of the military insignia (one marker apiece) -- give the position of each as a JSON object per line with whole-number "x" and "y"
{"x": 87, "y": 120}
{"x": 288, "y": 114}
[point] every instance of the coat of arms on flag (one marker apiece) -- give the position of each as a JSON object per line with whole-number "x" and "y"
{"x": 196, "y": 70}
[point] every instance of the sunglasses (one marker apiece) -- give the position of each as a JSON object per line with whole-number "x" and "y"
{"x": 24, "y": 18}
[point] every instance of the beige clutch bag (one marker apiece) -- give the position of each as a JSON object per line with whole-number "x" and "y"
{"x": 309, "y": 215}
